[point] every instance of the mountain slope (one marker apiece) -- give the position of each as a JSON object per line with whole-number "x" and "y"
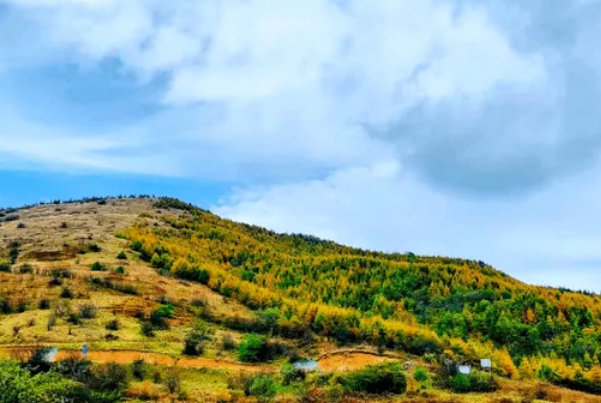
{"x": 130, "y": 258}
{"x": 352, "y": 294}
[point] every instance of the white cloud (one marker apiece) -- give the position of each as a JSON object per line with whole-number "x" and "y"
{"x": 295, "y": 81}
{"x": 387, "y": 101}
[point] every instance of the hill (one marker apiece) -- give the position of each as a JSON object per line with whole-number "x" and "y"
{"x": 162, "y": 280}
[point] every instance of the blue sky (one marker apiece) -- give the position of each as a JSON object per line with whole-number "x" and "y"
{"x": 453, "y": 127}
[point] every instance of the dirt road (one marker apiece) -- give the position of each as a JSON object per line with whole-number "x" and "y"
{"x": 343, "y": 361}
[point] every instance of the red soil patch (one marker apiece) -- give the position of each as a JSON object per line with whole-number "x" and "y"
{"x": 349, "y": 361}
{"x": 127, "y": 357}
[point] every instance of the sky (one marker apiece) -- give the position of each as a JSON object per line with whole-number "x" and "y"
{"x": 442, "y": 127}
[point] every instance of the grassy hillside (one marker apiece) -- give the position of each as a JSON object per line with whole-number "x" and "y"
{"x": 167, "y": 282}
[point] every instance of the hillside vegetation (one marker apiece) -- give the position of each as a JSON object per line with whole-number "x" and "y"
{"x": 143, "y": 276}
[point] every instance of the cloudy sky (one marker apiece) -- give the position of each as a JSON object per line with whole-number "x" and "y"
{"x": 447, "y": 127}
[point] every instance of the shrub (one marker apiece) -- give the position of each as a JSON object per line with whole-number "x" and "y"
{"x": 172, "y": 381}
{"x": 44, "y": 304}
{"x": 122, "y": 256}
{"x": 137, "y": 246}
{"x": 334, "y": 393}
{"x": 74, "y": 318}
{"x": 420, "y": 375}
{"x": 112, "y": 324}
{"x": 139, "y": 369}
{"x": 87, "y": 311}
{"x": 377, "y": 379}
{"x": 22, "y": 306}
{"x": 228, "y": 342}
{"x": 477, "y": 381}
{"x": 165, "y": 311}
{"x": 110, "y": 377}
{"x": 18, "y": 385}
{"x": 263, "y": 388}
{"x": 252, "y": 348}
{"x": 158, "y": 317}
{"x": 97, "y": 266}
{"x": 147, "y": 329}
{"x": 63, "y": 225}
{"x": 66, "y": 293}
{"x": 37, "y": 363}
{"x": 194, "y": 274}
{"x": 21, "y": 225}
{"x": 120, "y": 270}
{"x": 6, "y": 306}
{"x": 290, "y": 374}
{"x": 5, "y": 266}
{"x": 194, "y": 342}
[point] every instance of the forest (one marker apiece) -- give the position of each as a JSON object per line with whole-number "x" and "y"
{"x": 429, "y": 306}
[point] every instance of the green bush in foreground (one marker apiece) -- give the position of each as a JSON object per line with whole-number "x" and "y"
{"x": 18, "y": 385}
{"x": 377, "y": 379}
{"x": 477, "y": 381}
{"x": 263, "y": 388}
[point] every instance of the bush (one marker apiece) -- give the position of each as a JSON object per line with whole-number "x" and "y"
{"x": 194, "y": 342}
{"x": 158, "y": 317}
{"x": 120, "y": 270}
{"x": 263, "y": 388}
{"x": 477, "y": 381}
{"x": 194, "y": 274}
{"x": 87, "y": 311}
{"x": 66, "y": 293}
{"x": 147, "y": 329}
{"x": 18, "y": 385}
{"x": 228, "y": 342}
{"x": 420, "y": 375}
{"x": 252, "y": 348}
{"x": 122, "y": 256}
{"x": 139, "y": 369}
{"x": 97, "y": 266}
{"x": 112, "y": 324}
{"x": 377, "y": 379}
{"x": 5, "y": 267}
{"x": 21, "y": 225}
{"x": 137, "y": 246}
{"x": 74, "y": 318}
{"x": 37, "y": 363}
{"x": 290, "y": 374}
{"x": 22, "y": 306}
{"x": 111, "y": 377}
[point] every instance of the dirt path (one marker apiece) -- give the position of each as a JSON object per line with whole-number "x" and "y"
{"x": 344, "y": 361}
{"x": 127, "y": 357}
